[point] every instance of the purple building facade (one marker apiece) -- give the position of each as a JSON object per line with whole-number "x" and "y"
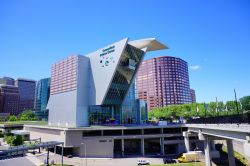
{"x": 9, "y": 99}
{"x": 163, "y": 81}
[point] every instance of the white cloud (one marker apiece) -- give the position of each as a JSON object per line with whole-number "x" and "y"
{"x": 195, "y": 67}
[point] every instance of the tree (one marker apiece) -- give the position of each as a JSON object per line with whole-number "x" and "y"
{"x": 245, "y": 102}
{"x": 9, "y": 139}
{"x": 27, "y": 115}
{"x": 231, "y": 106}
{"x": 212, "y": 106}
{"x": 18, "y": 140}
{"x": 12, "y": 118}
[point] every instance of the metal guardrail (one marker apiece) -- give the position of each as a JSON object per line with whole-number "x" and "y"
{"x": 22, "y": 149}
{"x": 233, "y": 119}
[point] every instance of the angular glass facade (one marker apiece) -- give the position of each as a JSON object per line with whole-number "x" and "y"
{"x": 118, "y": 108}
{"x": 129, "y": 109}
{"x": 132, "y": 111}
{"x": 42, "y": 97}
{"x": 124, "y": 74}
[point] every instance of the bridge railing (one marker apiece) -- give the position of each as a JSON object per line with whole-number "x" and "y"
{"x": 233, "y": 119}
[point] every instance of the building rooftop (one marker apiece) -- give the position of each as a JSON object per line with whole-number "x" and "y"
{"x": 105, "y": 127}
{"x": 25, "y": 79}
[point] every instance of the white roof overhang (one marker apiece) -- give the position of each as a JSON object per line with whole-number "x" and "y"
{"x": 151, "y": 44}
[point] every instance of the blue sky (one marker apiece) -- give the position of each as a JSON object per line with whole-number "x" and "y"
{"x": 213, "y": 36}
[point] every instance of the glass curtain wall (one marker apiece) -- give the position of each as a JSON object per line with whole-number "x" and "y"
{"x": 111, "y": 110}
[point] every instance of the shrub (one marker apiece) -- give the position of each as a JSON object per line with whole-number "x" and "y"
{"x": 14, "y": 140}
{"x": 18, "y": 140}
{"x": 27, "y": 115}
{"x": 12, "y": 118}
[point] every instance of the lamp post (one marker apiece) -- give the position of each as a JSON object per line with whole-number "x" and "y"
{"x": 85, "y": 153}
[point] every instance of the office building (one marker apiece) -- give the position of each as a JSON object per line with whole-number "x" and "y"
{"x": 163, "y": 81}
{"x": 193, "y": 95}
{"x": 98, "y": 89}
{"x": 9, "y": 99}
{"x": 42, "y": 97}
{"x": 26, "y": 89}
{"x": 96, "y": 85}
{"x": 7, "y": 81}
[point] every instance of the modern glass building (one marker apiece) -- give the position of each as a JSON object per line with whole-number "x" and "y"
{"x": 92, "y": 89}
{"x": 163, "y": 81}
{"x": 26, "y": 89}
{"x": 42, "y": 97}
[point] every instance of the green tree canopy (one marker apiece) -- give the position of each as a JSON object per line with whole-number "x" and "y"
{"x": 12, "y": 118}
{"x": 245, "y": 102}
{"x": 14, "y": 140}
{"x": 174, "y": 112}
{"x": 27, "y": 115}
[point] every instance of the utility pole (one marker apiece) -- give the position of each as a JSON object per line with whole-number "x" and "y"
{"x": 205, "y": 109}
{"x": 217, "y": 112}
{"x": 236, "y": 102}
{"x": 47, "y": 162}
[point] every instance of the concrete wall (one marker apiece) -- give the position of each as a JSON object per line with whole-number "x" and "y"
{"x": 103, "y": 74}
{"x": 62, "y": 109}
{"x": 98, "y": 147}
{"x": 46, "y": 134}
{"x": 73, "y": 138}
{"x": 83, "y": 93}
{"x": 238, "y": 146}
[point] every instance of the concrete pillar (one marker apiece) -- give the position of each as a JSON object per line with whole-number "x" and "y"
{"x": 207, "y": 152}
{"x": 230, "y": 150}
{"x": 186, "y": 141}
{"x": 162, "y": 146}
{"x": 212, "y": 145}
{"x": 122, "y": 132}
{"x": 142, "y": 147}
{"x": 122, "y": 147}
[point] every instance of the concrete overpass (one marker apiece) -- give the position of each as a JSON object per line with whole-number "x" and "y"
{"x": 210, "y": 132}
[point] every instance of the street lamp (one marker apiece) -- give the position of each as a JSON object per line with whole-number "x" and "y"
{"x": 85, "y": 152}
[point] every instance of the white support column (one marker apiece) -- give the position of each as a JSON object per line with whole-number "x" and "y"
{"x": 122, "y": 147}
{"x": 230, "y": 150}
{"x": 207, "y": 152}
{"x": 186, "y": 141}
{"x": 142, "y": 147}
{"x": 162, "y": 146}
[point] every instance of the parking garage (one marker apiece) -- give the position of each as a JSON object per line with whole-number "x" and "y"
{"x": 117, "y": 141}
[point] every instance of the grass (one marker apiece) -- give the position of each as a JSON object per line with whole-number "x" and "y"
{"x": 182, "y": 164}
{"x": 238, "y": 156}
{"x": 26, "y": 122}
